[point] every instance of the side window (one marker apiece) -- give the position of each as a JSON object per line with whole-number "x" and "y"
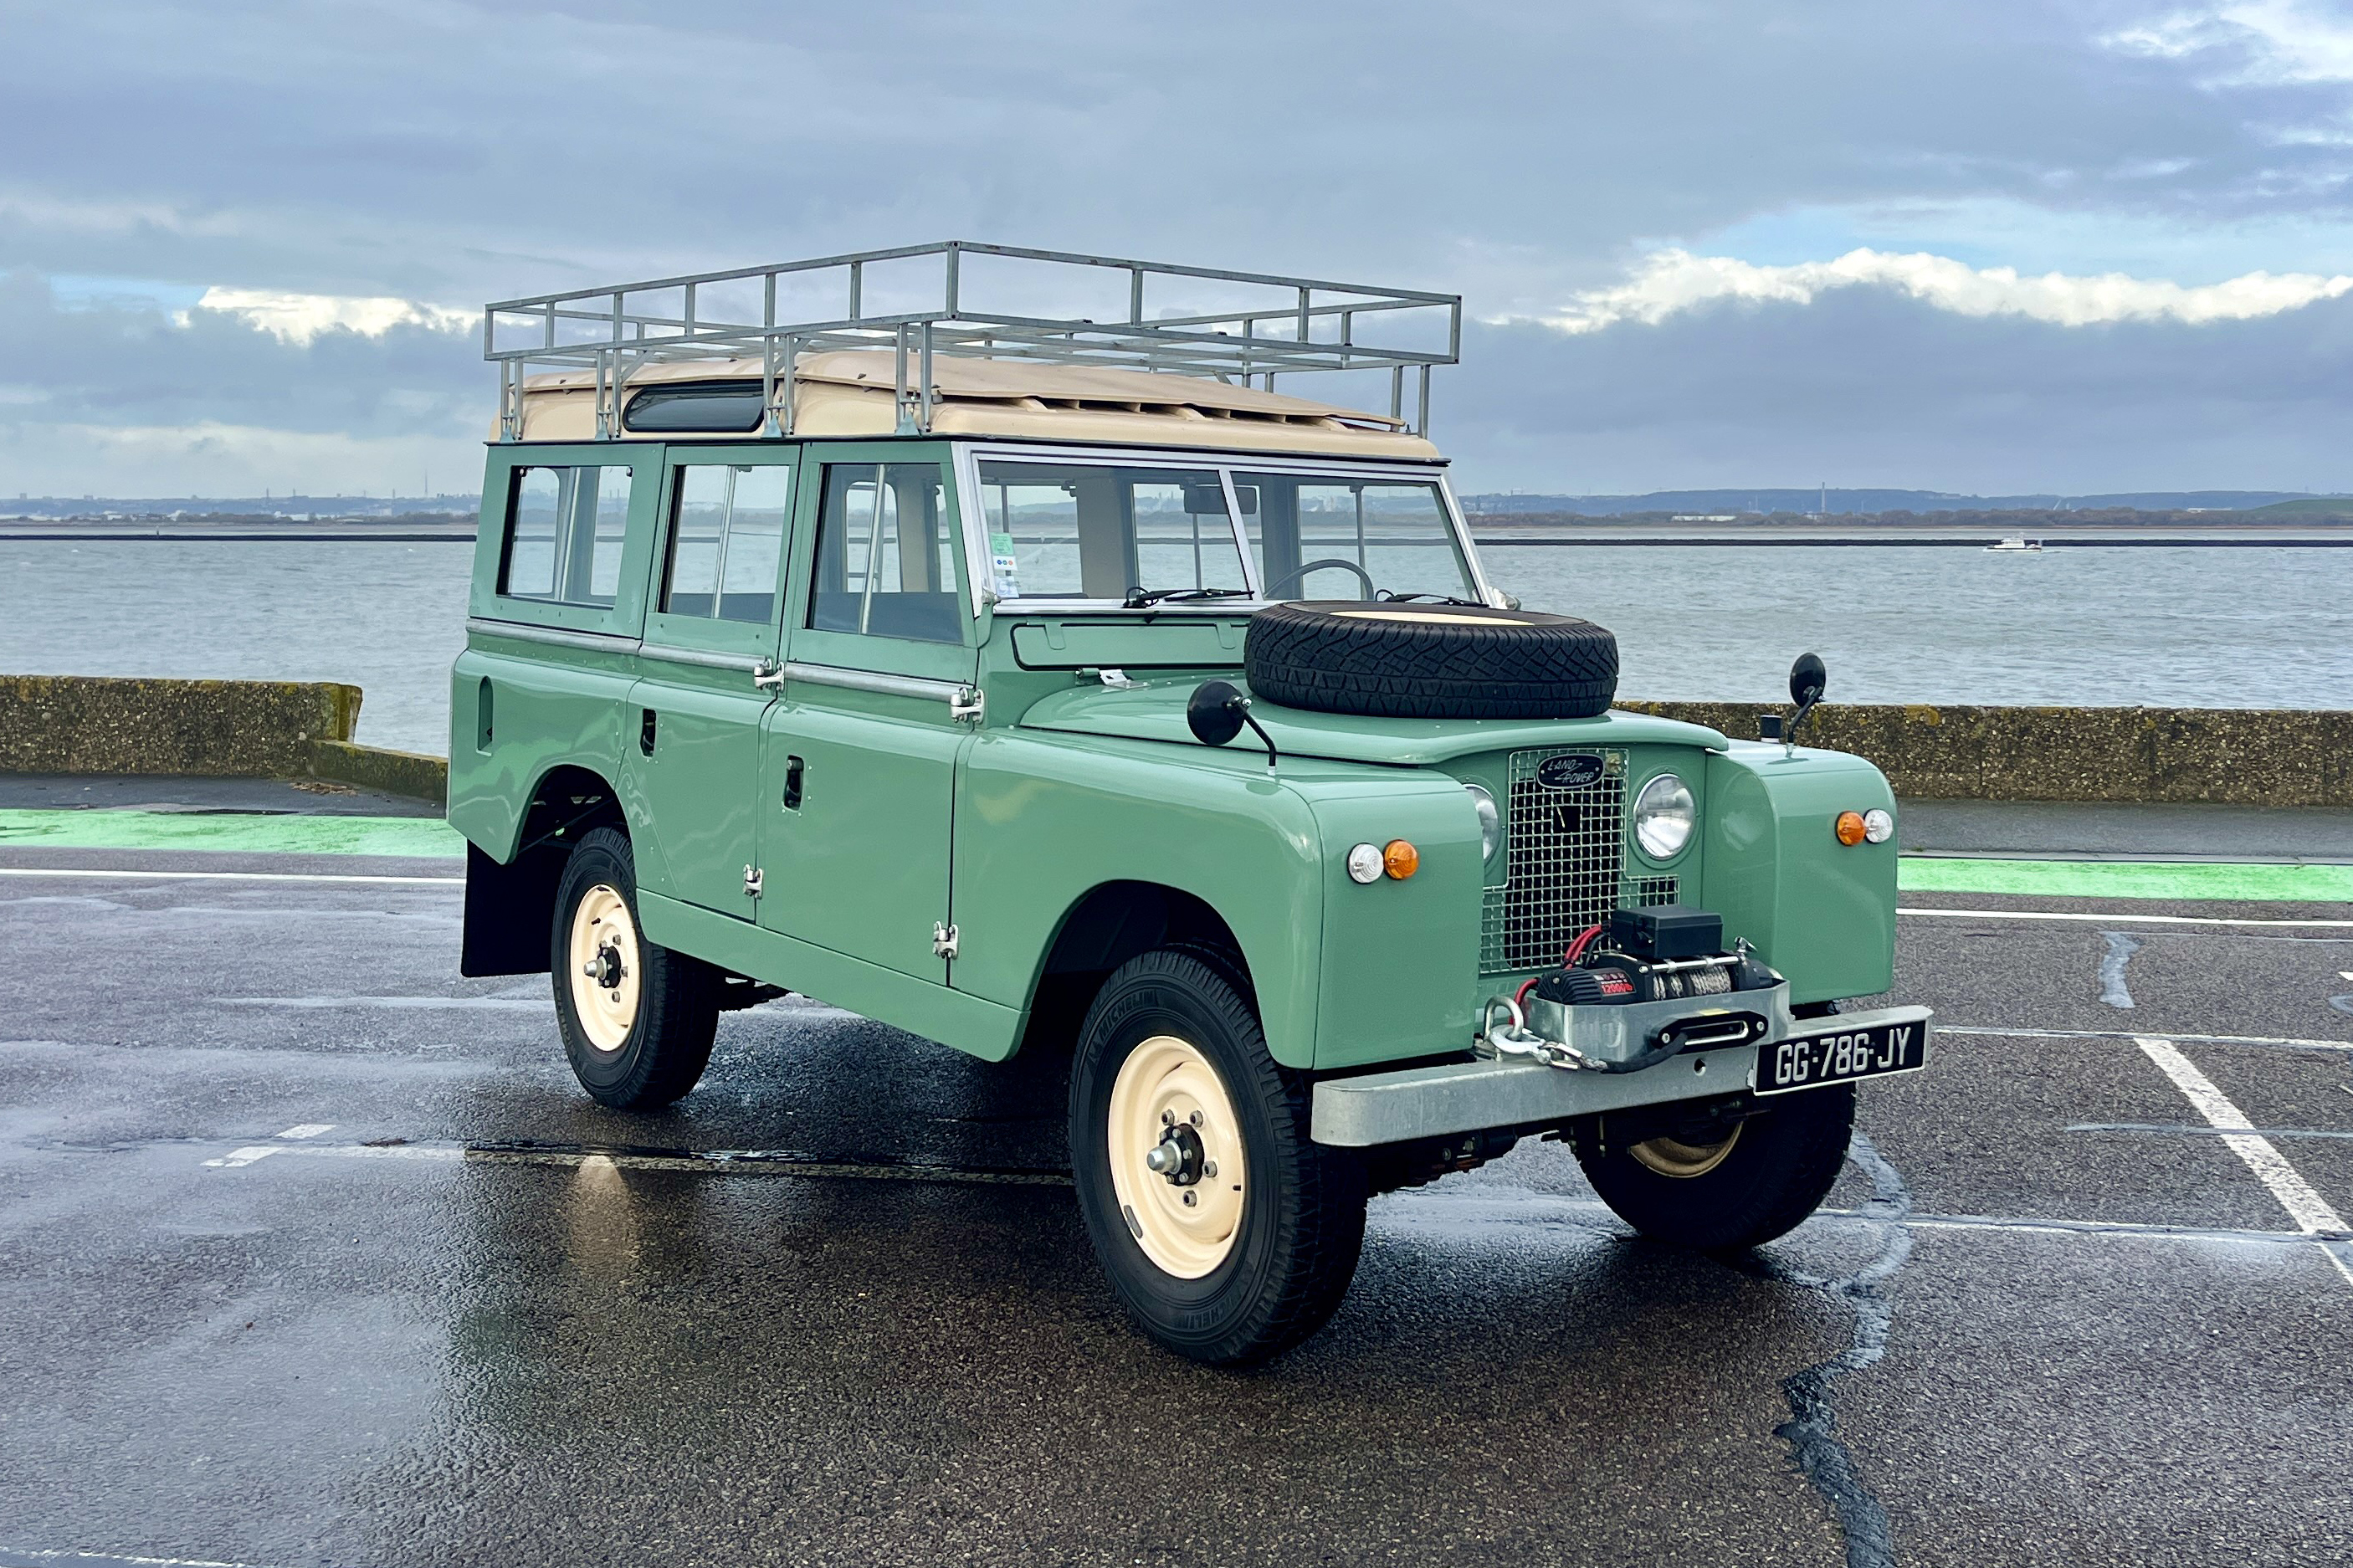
{"x": 727, "y": 540}
{"x": 566, "y": 527}
{"x": 885, "y": 559}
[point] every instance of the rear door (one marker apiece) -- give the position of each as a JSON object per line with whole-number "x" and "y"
{"x": 861, "y": 750}
{"x": 713, "y": 627}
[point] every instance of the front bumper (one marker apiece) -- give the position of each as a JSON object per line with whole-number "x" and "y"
{"x": 1478, "y": 1096}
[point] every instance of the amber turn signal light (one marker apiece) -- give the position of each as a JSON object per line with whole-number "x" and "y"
{"x": 1400, "y": 859}
{"x": 1850, "y": 828}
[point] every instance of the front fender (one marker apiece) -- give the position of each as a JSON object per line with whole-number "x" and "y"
{"x": 1821, "y": 912}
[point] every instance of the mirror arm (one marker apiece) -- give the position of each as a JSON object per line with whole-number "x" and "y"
{"x": 1789, "y": 731}
{"x": 1259, "y": 730}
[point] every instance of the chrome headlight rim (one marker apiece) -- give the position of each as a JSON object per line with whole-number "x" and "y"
{"x": 1491, "y": 822}
{"x": 1665, "y": 816}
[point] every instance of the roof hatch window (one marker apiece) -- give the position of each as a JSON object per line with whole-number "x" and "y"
{"x": 721, "y": 407}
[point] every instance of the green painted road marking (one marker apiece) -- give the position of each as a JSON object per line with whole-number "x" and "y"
{"x": 2128, "y": 880}
{"x": 243, "y": 833}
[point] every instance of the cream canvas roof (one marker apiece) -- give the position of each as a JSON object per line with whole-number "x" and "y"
{"x": 852, "y": 392}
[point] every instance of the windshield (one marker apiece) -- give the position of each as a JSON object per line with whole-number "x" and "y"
{"x": 1327, "y": 538}
{"x": 1088, "y": 530}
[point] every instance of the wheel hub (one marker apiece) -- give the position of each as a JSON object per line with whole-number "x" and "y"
{"x": 1177, "y": 1162}
{"x": 608, "y": 969}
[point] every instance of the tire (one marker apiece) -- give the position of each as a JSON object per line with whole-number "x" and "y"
{"x": 1430, "y": 661}
{"x": 643, "y": 1040}
{"x": 1759, "y": 1182}
{"x": 1254, "y": 1266}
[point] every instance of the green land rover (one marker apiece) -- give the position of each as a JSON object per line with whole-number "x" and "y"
{"x": 882, "y": 629}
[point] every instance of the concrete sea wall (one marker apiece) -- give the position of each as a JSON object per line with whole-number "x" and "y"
{"x": 2172, "y": 755}
{"x": 222, "y": 729}
{"x": 267, "y": 729}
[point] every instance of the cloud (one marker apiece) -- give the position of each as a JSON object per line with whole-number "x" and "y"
{"x": 1673, "y": 281}
{"x": 300, "y": 318}
{"x": 2267, "y": 41}
{"x": 1869, "y": 388}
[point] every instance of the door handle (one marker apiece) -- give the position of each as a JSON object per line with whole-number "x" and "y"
{"x": 793, "y": 766}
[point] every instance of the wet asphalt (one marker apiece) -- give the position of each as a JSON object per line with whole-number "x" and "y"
{"x": 455, "y": 1313}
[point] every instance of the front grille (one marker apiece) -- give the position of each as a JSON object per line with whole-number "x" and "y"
{"x": 1563, "y": 851}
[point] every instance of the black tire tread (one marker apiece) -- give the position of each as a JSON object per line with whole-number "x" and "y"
{"x": 677, "y": 1021}
{"x": 1320, "y": 1230}
{"x": 1792, "y": 1156}
{"x": 1540, "y": 667}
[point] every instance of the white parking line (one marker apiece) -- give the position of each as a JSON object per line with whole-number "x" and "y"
{"x": 116, "y": 873}
{"x": 2114, "y": 920}
{"x": 2311, "y": 1211}
{"x": 307, "y": 1129}
{"x": 1999, "y": 1031}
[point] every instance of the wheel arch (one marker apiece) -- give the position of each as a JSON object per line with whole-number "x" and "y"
{"x": 511, "y": 904}
{"x": 1105, "y": 926}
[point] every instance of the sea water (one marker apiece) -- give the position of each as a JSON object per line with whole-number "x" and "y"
{"x": 2164, "y": 627}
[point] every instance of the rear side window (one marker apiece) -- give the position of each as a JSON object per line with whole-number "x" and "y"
{"x": 726, "y": 540}
{"x": 565, "y": 528}
{"x": 885, "y": 560}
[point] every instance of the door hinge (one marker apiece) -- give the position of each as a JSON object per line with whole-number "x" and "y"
{"x": 753, "y": 878}
{"x": 944, "y": 940}
{"x": 967, "y": 705}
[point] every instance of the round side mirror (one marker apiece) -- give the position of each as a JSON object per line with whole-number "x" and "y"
{"x": 1214, "y": 712}
{"x": 1807, "y": 680}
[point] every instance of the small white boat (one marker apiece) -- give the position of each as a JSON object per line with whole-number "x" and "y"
{"x": 2015, "y": 544}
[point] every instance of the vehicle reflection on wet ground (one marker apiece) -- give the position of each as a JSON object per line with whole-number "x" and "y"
{"x": 312, "y": 1254}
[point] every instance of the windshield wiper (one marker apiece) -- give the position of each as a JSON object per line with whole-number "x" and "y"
{"x": 1385, "y": 597}
{"x": 1145, "y": 598}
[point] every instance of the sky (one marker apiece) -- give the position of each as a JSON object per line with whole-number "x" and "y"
{"x": 1984, "y": 247}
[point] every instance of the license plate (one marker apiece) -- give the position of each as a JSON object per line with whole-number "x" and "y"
{"x": 1810, "y": 1061}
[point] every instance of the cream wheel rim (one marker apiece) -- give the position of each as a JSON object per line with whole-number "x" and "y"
{"x": 1177, "y": 1163}
{"x": 605, "y": 970}
{"x": 1670, "y": 1157}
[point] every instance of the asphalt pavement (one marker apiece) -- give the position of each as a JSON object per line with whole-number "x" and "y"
{"x": 312, "y": 1253}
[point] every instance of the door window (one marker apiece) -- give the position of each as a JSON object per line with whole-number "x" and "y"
{"x": 885, "y": 555}
{"x": 566, "y": 527}
{"x": 726, "y": 540}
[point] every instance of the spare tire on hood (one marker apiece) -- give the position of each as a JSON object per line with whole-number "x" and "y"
{"x": 1405, "y": 660}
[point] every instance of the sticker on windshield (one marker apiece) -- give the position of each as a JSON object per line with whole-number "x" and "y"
{"x": 1005, "y": 573}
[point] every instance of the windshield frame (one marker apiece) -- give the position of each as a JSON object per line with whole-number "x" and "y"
{"x": 967, "y": 457}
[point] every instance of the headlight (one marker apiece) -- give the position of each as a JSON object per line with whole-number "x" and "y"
{"x": 1663, "y": 816}
{"x": 1878, "y": 827}
{"x": 1490, "y": 821}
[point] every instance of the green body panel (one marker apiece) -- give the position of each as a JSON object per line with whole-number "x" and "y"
{"x": 957, "y": 1018}
{"x": 1400, "y": 958}
{"x": 861, "y": 866}
{"x": 1155, "y": 710}
{"x": 1042, "y": 821}
{"x": 1004, "y": 829}
{"x": 1821, "y": 912}
{"x": 553, "y": 707}
{"x": 697, "y": 793}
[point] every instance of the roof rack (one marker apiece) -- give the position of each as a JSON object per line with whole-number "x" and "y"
{"x": 614, "y": 330}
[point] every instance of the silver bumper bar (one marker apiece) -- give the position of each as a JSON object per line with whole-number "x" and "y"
{"x": 1474, "y": 1096}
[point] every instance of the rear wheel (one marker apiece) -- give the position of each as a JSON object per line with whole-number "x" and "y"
{"x": 638, "y": 1019}
{"x": 1722, "y": 1187}
{"x": 1226, "y": 1233}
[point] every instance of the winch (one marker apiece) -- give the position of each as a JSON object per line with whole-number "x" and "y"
{"x": 1649, "y": 983}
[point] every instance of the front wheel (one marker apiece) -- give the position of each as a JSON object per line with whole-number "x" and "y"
{"x": 1227, "y": 1234}
{"x": 1720, "y": 1188}
{"x": 638, "y": 1019}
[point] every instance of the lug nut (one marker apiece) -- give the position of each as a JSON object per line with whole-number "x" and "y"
{"x": 1191, "y": 1197}
{"x": 1208, "y": 1167}
{"x": 1167, "y": 1118}
{"x": 1195, "y": 1119}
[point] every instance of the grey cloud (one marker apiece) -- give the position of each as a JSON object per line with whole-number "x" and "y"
{"x": 1868, "y": 388}
{"x": 453, "y": 151}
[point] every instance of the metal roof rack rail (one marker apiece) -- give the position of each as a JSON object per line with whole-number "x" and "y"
{"x": 614, "y": 330}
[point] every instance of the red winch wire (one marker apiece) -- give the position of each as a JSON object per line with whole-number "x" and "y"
{"x": 1567, "y": 960}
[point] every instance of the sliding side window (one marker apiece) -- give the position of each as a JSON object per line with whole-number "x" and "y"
{"x": 565, "y": 528}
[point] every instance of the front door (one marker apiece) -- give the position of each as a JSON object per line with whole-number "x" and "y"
{"x": 695, "y": 712}
{"x": 859, "y": 767}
